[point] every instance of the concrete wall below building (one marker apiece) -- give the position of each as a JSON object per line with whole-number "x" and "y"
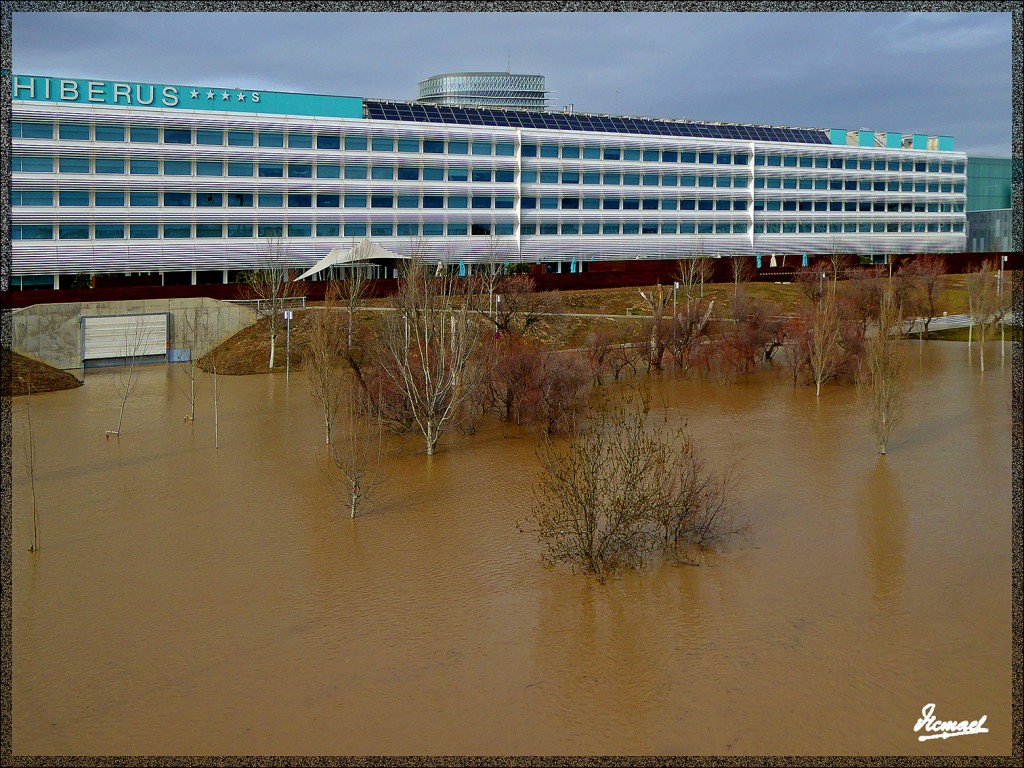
{"x": 51, "y": 333}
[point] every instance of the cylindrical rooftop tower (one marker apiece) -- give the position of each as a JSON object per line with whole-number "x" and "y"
{"x": 484, "y": 89}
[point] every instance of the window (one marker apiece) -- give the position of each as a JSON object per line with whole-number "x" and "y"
{"x": 481, "y": 202}
{"x": 144, "y": 231}
{"x": 457, "y": 228}
{"x": 631, "y": 203}
{"x": 549, "y": 203}
{"x": 328, "y": 201}
{"x": 650, "y": 179}
{"x": 110, "y": 165}
{"x": 355, "y": 229}
{"x": 381, "y": 229}
{"x": 355, "y": 171}
{"x": 76, "y": 197}
{"x": 407, "y": 173}
{"x": 209, "y": 230}
{"x": 668, "y": 227}
{"x": 145, "y": 135}
{"x": 74, "y": 232}
{"x": 144, "y": 199}
{"x": 669, "y": 204}
{"x": 300, "y": 171}
{"x": 109, "y": 133}
{"x": 382, "y": 144}
{"x": 240, "y": 138}
{"x": 382, "y": 172}
{"x": 612, "y": 153}
{"x": 612, "y": 203}
{"x": 433, "y": 147}
{"x": 408, "y": 201}
{"x": 687, "y": 204}
{"x": 570, "y": 177}
{"x": 437, "y": 201}
{"x": 23, "y": 130}
{"x": 300, "y": 230}
{"x": 237, "y": 169}
{"x": 355, "y": 201}
{"x": 570, "y": 203}
{"x": 177, "y": 167}
{"x": 549, "y": 150}
{"x": 504, "y": 176}
{"x": 528, "y": 203}
{"x": 300, "y": 201}
{"x": 271, "y": 170}
{"x": 70, "y": 164}
{"x": 408, "y": 229}
{"x": 328, "y": 171}
{"x": 110, "y": 231}
{"x": 109, "y": 198}
{"x": 29, "y": 197}
{"x": 409, "y": 145}
{"x": 806, "y": 162}
{"x": 504, "y": 201}
{"x": 687, "y": 181}
{"x": 300, "y": 140}
{"x": 328, "y": 141}
{"x": 549, "y": 228}
{"x": 459, "y": 147}
{"x": 433, "y": 228}
{"x": 482, "y": 148}
{"x": 612, "y": 178}
{"x": 355, "y": 143}
{"x": 73, "y": 132}
{"x": 631, "y": 154}
{"x": 180, "y": 199}
{"x": 458, "y": 173}
{"x": 240, "y": 230}
{"x": 214, "y": 138}
{"x": 547, "y": 177}
{"x": 775, "y": 160}
{"x": 631, "y": 179}
{"x": 382, "y": 201}
{"x": 669, "y": 156}
{"x": 240, "y": 200}
{"x": 270, "y": 200}
{"x": 173, "y": 135}
{"x": 705, "y": 181}
{"x": 705, "y": 205}
{"x": 508, "y": 149}
{"x": 270, "y": 230}
{"x": 481, "y": 174}
{"x": 207, "y": 168}
{"x": 528, "y": 177}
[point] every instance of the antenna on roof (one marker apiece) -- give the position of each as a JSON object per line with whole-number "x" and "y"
{"x": 508, "y": 65}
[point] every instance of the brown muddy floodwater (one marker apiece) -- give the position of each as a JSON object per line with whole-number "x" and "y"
{"x": 194, "y": 601}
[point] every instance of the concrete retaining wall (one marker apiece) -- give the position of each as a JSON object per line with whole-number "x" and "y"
{"x": 52, "y": 334}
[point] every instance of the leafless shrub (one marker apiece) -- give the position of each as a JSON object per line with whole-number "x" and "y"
{"x": 620, "y": 488}
{"x": 356, "y": 446}
{"x": 324, "y": 359}
{"x": 194, "y": 336}
{"x": 126, "y": 377}
{"x": 984, "y": 302}
{"x": 929, "y": 276}
{"x": 273, "y": 287}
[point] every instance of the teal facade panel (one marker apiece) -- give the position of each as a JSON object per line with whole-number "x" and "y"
{"x": 837, "y": 135}
{"x": 945, "y": 143}
{"x": 866, "y": 138}
{"x": 185, "y": 97}
{"x": 894, "y": 140}
{"x": 920, "y": 141}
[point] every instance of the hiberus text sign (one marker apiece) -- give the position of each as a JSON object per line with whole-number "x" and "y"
{"x": 127, "y": 94}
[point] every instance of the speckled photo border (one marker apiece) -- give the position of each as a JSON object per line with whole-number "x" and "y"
{"x": 6, "y": 734}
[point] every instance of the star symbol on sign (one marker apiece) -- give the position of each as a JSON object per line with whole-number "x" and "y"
{"x": 224, "y": 96}
{"x": 209, "y": 94}
{"x": 241, "y": 97}
{"x": 195, "y": 94}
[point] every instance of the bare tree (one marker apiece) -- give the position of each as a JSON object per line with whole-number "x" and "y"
{"x": 693, "y": 273}
{"x": 193, "y": 336}
{"x": 620, "y": 487}
{"x": 516, "y": 304}
{"x": 657, "y": 330}
{"x": 126, "y": 377}
{"x": 212, "y": 362}
{"x": 928, "y": 276}
{"x": 357, "y": 446}
{"x": 983, "y": 302}
{"x": 324, "y": 359}
{"x": 274, "y": 290}
{"x": 825, "y": 343}
{"x": 30, "y": 465}
{"x": 743, "y": 271}
{"x": 881, "y": 378}
{"x": 352, "y": 288}
{"x": 428, "y": 342}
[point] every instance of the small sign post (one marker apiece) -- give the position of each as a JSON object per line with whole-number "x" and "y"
{"x": 288, "y": 345}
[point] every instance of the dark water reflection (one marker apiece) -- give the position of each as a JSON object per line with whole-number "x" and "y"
{"x": 193, "y": 601}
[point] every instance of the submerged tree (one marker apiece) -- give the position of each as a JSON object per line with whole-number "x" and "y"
{"x": 881, "y": 378}
{"x": 356, "y": 446}
{"x": 30, "y": 465}
{"x": 126, "y": 377}
{"x": 428, "y": 340}
{"x": 621, "y": 487}
{"x": 324, "y": 361}
{"x": 984, "y": 302}
{"x": 825, "y": 351}
{"x": 193, "y": 336}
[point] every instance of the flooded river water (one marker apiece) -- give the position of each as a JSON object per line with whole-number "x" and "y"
{"x": 188, "y": 600}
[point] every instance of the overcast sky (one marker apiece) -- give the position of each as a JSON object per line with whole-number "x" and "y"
{"x": 934, "y": 73}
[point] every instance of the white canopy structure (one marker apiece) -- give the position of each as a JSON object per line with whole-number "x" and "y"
{"x": 363, "y": 251}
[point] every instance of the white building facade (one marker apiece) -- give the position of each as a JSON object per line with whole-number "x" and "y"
{"x": 110, "y": 177}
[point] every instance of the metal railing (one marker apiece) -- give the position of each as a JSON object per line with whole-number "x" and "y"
{"x": 262, "y": 306}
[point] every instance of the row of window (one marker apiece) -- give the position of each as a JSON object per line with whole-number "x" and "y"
{"x": 362, "y": 142}
{"x": 179, "y": 231}
{"x": 863, "y": 185}
{"x": 213, "y": 199}
{"x": 858, "y": 163}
